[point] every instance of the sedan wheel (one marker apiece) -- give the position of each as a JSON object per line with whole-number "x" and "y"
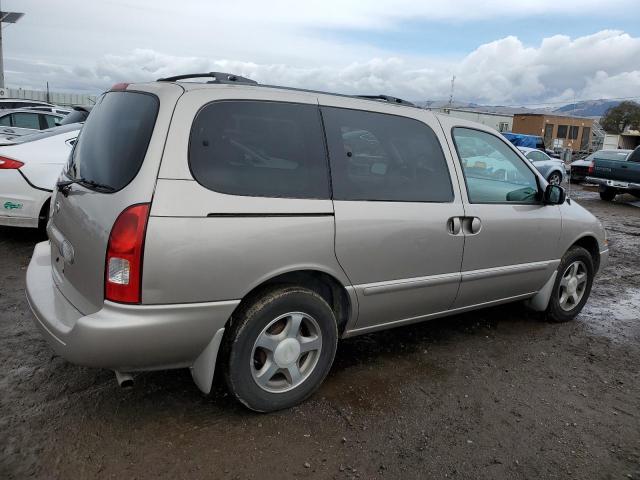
{"x": 555, "y": 179}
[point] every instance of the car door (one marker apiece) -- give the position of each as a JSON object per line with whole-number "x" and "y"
{"x": 393, "y": 201}
{"x": 511, "y": 237}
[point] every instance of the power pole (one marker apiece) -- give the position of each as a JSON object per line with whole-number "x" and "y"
{"x": 6, "y": 17}
{"x": 453, "y": 80}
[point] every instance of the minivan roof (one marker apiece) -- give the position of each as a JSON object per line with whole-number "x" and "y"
{"x": 221, "y": 78}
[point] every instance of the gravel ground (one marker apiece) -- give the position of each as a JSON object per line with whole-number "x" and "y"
{"x": 492, "y": 394}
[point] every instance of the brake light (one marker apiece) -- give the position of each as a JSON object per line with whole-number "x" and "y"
{"x": 9, "y": 163}
{"x": 123, "y": 267}
{"x": 120, "y": 86}
{"x": 591, "y": 168}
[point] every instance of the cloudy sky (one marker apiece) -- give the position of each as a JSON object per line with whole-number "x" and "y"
{"x": 518, "y": 52}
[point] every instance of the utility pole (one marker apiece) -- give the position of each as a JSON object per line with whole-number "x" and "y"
{"x": 453, "y": 80}
{"x": 6, "y": 17}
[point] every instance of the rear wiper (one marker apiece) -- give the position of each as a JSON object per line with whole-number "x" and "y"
{"x": 64, "y": 184}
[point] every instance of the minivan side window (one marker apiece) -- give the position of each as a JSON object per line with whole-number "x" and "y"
{"x": 493, "y": 172}
{"x": 382, "y": 157}
{"x": 260, "y": 149}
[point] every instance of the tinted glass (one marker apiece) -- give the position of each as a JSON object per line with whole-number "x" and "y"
{"x": 263, "y": 149}
{"x": 26, "y": 120}
{"x": 114, "y": 140}
{"x": 5, "y": 121}
{"x": 493, "y": 172}
{"x": 382, "y": 157}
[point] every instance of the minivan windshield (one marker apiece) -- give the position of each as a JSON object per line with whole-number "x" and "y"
{"x": 114, "y": 140}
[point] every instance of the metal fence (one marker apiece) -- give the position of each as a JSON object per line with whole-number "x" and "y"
{"x": 57, "y": 98}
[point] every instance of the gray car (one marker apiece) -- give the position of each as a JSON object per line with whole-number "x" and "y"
{"x": 252, "y": 227}
{"x": 553, "y": 169}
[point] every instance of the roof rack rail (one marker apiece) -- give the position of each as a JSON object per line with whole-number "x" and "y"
{"x": 218, "y": 77}
{"x": 387, "y": 98}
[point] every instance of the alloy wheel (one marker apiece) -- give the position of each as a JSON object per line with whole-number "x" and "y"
{"x": 286, "y": 352}
{"x": 573, "y": 285}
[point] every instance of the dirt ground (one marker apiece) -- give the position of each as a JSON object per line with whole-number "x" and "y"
{"x": 495, "y": 394}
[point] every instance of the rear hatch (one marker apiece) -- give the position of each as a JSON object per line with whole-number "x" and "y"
{"x": 115, "y": 164}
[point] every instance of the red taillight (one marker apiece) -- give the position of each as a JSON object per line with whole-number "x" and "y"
{"x": 591, "y": 167}
{"x": 120, "y": 86}
{"x": 123, "y": 267}
{"x": 9, "y": 163}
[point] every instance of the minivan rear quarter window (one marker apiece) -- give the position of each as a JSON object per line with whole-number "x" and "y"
{"x": 382, "y": 157}
{"x": 259, "y": 148}
{"x": 114, "y": 140}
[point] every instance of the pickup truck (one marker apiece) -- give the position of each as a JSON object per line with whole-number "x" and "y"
{"x": 616, "y": 175}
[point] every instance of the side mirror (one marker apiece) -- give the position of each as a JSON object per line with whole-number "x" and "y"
{"x": 554, "y": 195}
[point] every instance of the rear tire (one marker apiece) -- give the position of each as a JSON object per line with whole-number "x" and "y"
{"x": 279, "y": 348}
{"x": 608, "y": 194}
{"x": 572, "y": 286}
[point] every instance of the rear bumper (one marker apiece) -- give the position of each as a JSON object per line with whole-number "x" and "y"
{"x": 121, "y": 337}
{"x": 617, "y": 184}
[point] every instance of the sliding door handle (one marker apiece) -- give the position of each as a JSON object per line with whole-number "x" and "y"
{"x": 454, "y": 225}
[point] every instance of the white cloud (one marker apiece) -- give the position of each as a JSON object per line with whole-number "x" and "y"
{"x": 606, "y": 64}
{"x": 91, "y": 45}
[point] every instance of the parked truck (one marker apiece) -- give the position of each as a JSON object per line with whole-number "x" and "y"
{"x": 615, "y": 176}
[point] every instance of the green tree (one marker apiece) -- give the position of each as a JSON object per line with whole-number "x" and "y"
{"x": 617, "y": 119}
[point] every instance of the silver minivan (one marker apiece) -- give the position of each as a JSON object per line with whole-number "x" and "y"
{"x": 253, "y": 226}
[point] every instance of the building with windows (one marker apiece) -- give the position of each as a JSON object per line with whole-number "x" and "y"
{"x": 558, "y": 131}
{"x": 501, "y": 122}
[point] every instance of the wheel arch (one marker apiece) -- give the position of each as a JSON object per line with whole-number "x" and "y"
{"x": 590, "y": 244}
{"x": 325, "y": 284}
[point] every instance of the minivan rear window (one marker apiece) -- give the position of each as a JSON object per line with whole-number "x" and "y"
{"x": 260, "y": 149}
{"x": 114, "y": 140}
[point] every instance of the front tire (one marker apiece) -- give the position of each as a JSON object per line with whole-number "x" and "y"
{"x": 572, "y": 286}
{"x": 279, "y": 348}
{"x": 554, "y": 178}
{"x": 608, "y": 194}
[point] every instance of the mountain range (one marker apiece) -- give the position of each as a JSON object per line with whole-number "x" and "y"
{"x": 588, "y": 108}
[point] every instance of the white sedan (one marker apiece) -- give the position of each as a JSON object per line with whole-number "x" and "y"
{"x": 29, "y": 168}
